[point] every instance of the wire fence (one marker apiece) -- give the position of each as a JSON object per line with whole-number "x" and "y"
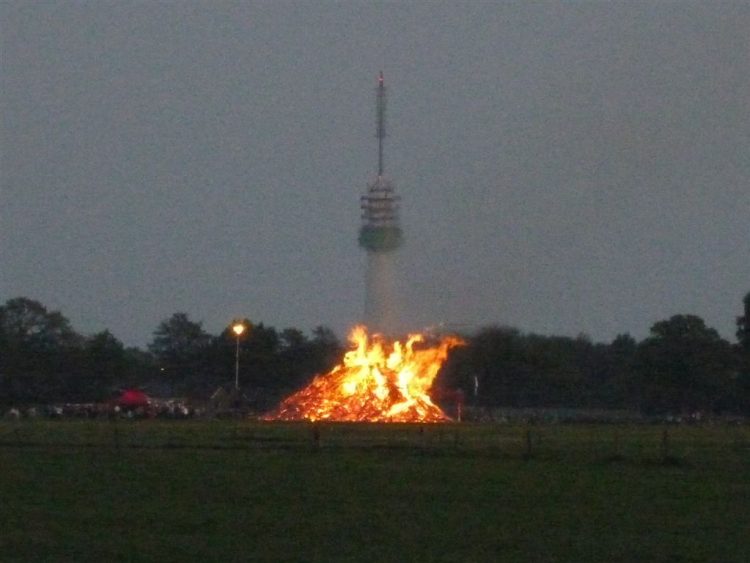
{"x": 687, "y": 445}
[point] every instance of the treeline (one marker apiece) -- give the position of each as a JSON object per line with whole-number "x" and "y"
{"x": 683, "y": 366}
{"x": 44, "y": 360}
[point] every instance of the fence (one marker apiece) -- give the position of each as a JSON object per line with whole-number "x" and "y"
{"x": 609, "y": 443}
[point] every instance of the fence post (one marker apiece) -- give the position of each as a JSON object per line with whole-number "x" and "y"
{"x": 665, "y": 445}
{"x": 617, "y": 447}
{"x": 528, "y": 452}
{"x": 316, "y": 435}
{"x": 116, "y": 433}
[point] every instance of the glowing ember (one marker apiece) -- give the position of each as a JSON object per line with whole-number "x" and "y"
{"x": 377, "y": 382}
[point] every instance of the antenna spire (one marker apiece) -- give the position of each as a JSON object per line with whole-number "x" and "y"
{"x": 380, "y": 108}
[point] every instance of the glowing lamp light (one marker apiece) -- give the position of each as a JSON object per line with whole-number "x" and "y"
{"x": 238, "y": 328}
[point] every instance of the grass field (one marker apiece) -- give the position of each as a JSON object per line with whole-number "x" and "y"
{"x": 248, "y": 491}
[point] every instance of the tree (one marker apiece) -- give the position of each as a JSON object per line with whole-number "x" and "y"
{"x": 27, "y": 322}
{"x": 105, "y": 363}
{"x": 495, "y": 357}
{"x": 179, "y": 345}
{"x": 178, "y": 337}
{"x": 218, "y": 368}
{"x": 261, "y": 357}
{"x": 327, "y": 349}
{"x": 743, "y": 357}
{"x": 519, "y": 370}
{"x": 743, "y": 326}
{"x": 619, "y": 387}
{"x": 293, "y": 339}
{"x": 304, "y": 358}
{"x": 296, "y": 354}
{"x": 104, "y": 352}
{"x": 39, "y": 352}
{"x": 685, "y": 366}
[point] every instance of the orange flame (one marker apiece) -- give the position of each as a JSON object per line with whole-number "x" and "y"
{"x": 377, "y": 382}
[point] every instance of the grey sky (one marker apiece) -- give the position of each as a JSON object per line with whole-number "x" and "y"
{"x": 564, "y": 167}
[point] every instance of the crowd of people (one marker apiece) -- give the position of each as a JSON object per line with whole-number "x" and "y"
{"x": 171, "y": 409}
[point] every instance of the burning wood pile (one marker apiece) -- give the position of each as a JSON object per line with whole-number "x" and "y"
{"x": 378, "y": 381}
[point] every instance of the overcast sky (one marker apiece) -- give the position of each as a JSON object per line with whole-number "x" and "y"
{"x": 565, "y": 167}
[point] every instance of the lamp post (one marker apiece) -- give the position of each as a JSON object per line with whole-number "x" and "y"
{"x": 238, "y": 329}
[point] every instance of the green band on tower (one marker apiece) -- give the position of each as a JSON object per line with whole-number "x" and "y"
{"x": 380, "y": 239}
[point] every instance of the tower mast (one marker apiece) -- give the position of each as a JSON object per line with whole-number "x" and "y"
{"x": 380, "y": 233}
{"x": 380, "y": 108}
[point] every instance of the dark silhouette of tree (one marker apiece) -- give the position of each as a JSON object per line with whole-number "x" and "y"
{"x": 292, "y": 339}
{"x": 496, "y": 356}
{"x": 742, "y": 402}
{"x": 178, "y": 337}
{"x": 179, "y": 346}
{"x": 327, "y": 349}
{"x": 516, "y": 370}
{"x": 619, "y": 387}
{"x": 39, "y": 352}
{"x": 304, "y": 358}
{"x": 743, "y": 325}
{"x": 140, "y": 367}
{"x": 104, "y": 364}
{"x": 26, "y": 322}
{"x": 684, "y": 366}
{"x": 219, "y": 360}
{"x": 296, "y": 355}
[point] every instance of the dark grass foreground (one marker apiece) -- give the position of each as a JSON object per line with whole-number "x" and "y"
{"x": 227, "y": 491}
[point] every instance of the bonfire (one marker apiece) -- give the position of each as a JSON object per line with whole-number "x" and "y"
{"x": 378, "y": 381}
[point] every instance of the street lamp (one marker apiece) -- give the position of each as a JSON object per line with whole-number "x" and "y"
{"x": 238, "y": 329}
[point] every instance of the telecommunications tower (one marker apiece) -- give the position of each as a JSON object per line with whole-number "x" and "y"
{"x": 380, "y": 235}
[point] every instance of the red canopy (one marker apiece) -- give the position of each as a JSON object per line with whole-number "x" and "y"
{"x": 132, "y": 398}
